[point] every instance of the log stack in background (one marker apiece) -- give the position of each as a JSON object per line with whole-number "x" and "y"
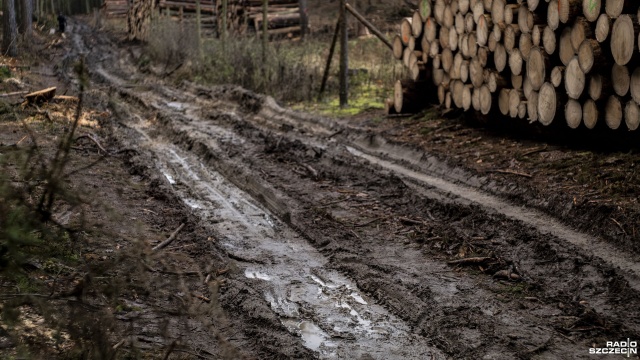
{"x": 283, "y": 18}
{"x": 576, "y": 61}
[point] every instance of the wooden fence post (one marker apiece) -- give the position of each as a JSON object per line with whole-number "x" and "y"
{"x": 344, "y": 57}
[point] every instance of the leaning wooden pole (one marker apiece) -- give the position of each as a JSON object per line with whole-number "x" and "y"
{"x": 332, "y": 49}
{"x": 344, "y": 57}
{"x": 369, "y": 26}
{"x": 265, "y": 28}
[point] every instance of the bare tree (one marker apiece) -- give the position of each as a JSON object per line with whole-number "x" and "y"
{"x": 26, "y": 18}
{"x": 9, "y": 28}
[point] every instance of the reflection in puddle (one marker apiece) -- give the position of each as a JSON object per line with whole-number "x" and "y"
{"x": 176, "y": 105}
{"x": 172, "y": 181}
{"x": 251, "y": 274}
{"x": 311, "y": 333}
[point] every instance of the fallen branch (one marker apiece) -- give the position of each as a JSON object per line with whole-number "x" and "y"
{"x": 512, "y": 172}
{"x": 410, "y": 221}
{"x": 368, "y": 222}
{"x": 92, "y": 138}
{"x": 311, "y": 170}
{"x": 471, "y": 261}
{"x": 169, "y": 239}
{"x": 535, "y": 150}
{"x": 13, "y": 94}
{"x": 202, "y": 297}
{"x": 619, "y": 225}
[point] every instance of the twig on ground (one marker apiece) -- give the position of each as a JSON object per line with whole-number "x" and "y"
{"x": 471, "y": 261}
{"x": 534, "y": 150}
{"x": 92, "y": 138}
{"x": 512, "y": 172}
{"x": 619, "y": 225}
{"x": 313, "y": 172}
{"x": 410, "y": 221}
{"x": 169, "y": 239}
{"x": 369, "y": 222}
{"x": 120, "y": 343}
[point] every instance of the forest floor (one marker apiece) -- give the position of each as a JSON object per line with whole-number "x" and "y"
{"x": 301, "y": 236}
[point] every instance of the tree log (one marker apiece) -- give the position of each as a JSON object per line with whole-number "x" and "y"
{"x": 590, "y": 114}
{"x": 568, "y": 10}
{"x": 603, "y": 27}
{"x": 580, "y": 31}
{"x": 486, "y": 100}
{"x": 557, "y": 75}
{"x": 547, "y": 104}
{"x": 566, "y": 49}
{"x": 549, "y": 40}
{"x": 623, "y": 38}
{"x": 398, "y": 47}
{"x": 635, "y": 85}
{"x": 537, "y": 67}
{"x": 515, "y": 62}
{"x": 589, "y": 54}
{"x": 500, "y": 58}
{"x": 620, "y": 79}
{"x": 511, "y": 13}
{"x": 503, "y": 101}
{"x": 632, "y": 115}
{"x": 613, "y": 112}
{"x": 417, "y": 25}
{"x": 615, "y": 8}
{"x": 553, "y": 15}
{"x": 573, "y": 113}
{"x": 532, "y": 106}
{"x": 574, "y": 79}
{"x": 591, "y": 9}
{"x": 406, "y": 30}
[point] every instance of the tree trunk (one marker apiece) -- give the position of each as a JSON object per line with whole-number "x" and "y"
{"x": 26, "y": 18}
{"x": 304, "y": 18}
{"x": 9, "y": 28}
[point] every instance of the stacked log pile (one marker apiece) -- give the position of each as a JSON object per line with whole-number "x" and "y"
{"x": 283, "y": 18}
{"x": 115, "y": 8}
{"x": 542, "y": 60}
{"x": 185, "y": 11}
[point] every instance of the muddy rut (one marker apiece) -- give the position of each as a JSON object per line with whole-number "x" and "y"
{"x": 349, "y": 246}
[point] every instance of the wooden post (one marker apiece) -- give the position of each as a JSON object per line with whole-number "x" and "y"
{"x": 344, "y": 57}
{"x": 223, "y": 34}
{"x": 304, "y": 18}
{"x": 332, "y": 49}
{"x": 265, "y": 28}
{"x": 199, "y": 29}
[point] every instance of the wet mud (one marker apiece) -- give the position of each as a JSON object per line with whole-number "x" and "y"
{"x": 346, "y": 245}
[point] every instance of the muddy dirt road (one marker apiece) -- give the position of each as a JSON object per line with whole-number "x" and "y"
{"x": 348, "y": 246}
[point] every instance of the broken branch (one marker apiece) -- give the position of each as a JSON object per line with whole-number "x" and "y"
{"x": 169, "y": 239}
{"x": 471, "y": 261}
{"x": 512, "y": 172}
